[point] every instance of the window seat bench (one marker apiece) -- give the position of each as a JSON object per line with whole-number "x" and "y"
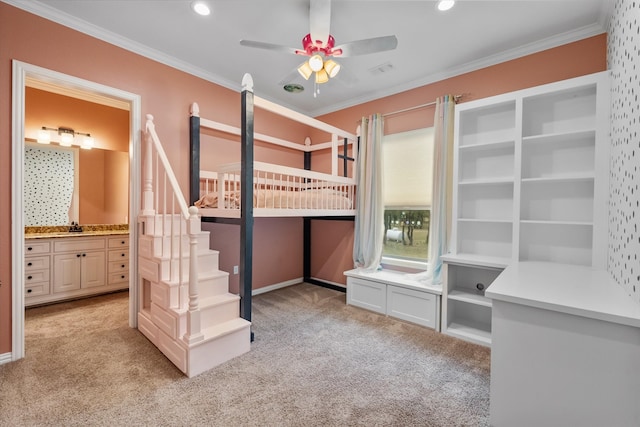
{"x": 395, "y": 294}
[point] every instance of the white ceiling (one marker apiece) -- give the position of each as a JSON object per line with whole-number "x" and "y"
{"x": 432, "y": 45}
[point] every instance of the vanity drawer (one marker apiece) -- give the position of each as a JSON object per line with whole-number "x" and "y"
{"x": 117, "y": 266}
{"x": 36, "y": 263}
{"x": 36, "y": 289}
{"x": 119, "y": 242}
{"x": 118, "y": 255}
{"x": 120, "y": 277}
{"x": 69, "y": 245}
{"x": 36, "y": 276}
{"x": 37, "y": 247}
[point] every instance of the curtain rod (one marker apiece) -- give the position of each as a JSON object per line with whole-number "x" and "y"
{"x": 428, "y": 104}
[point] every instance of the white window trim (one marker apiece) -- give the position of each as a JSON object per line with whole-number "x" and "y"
{"x": 406, "y": 263}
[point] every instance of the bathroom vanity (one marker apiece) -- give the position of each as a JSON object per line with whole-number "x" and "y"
{"x": 61, "y": 265}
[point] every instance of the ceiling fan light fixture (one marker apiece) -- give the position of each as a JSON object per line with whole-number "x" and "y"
{"x": 332, "y": 67}
{"x": 316, "y": 63}
{"x": 305, "y": 70}
{"x": 444, "y": 5}
{"x": 322, "y": 76}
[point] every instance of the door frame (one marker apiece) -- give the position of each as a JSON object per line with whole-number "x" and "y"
{"x": 22, "y": 71}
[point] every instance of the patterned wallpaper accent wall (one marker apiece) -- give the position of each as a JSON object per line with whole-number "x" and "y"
{"x": 623, "y": 57}
{"x": 49, "y": 178}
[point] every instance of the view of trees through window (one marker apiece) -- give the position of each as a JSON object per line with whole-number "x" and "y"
{"x": 406, "y": 233}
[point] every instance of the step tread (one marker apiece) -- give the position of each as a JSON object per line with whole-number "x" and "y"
{"x": 211, "y": 301}
{"x": 224, "y": 328}
{"x": 201, "y": 276}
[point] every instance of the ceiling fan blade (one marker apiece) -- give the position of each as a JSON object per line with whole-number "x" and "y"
{"x": 366, "y": 46}
{"x": 269, "y": 46}
{"x": 320, "y": 20}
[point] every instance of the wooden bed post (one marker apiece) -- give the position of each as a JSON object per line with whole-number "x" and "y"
{"x": 246, "y": 203}
{"x": 306, "y": 231}
{"x": 194, "y": 138}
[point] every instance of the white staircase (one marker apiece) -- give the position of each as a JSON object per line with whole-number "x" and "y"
{"x": 185, "y": 309}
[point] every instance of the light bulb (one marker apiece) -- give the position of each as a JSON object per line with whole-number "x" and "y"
{"x": 322, "y": 76}
{"x": 316, "y": 63}
{"x": 44, "y": 137}
{"x": 332, "y": 67}
{"x": 66, "y": 139}
{"x": 305, "y": 70}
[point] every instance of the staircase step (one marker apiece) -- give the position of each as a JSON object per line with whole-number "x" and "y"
{"x": 208, "y": 263}
{"x": 218, "y": 309}
{"x": 169, "y": 294}
{"x": 221, "y": 343}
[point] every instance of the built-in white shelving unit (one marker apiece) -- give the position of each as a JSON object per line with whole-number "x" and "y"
{"x": 530, "y": 184}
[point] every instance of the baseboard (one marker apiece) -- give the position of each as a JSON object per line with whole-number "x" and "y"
{"x": 5, "y": 358}
{"x": 276, "y": 286}
{"x": 327, "y": 284}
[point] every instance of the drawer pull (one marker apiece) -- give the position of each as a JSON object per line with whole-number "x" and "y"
{"x": 122, "y": 242}
{"x": 29, "y": 248}
{"x": 123, "y": 254}
{"x": 78, "y": 255}
{"x": 84, "y": 254}
{"x": 122, "y": 277}
{"x": 29, "y": 264}
{"x": 28, "y": 291}
{"x": 29, "y": 277}
{"x": 122, "y": 265}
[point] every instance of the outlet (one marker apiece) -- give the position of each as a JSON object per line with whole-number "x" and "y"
{"x": 235, "y": 269}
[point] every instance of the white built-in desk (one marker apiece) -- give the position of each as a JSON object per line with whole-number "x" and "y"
{"x": 395, "y": 294}
{"x": 565, "y": 348}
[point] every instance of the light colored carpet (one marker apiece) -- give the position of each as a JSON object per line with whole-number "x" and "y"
{"x": 315, "y": 362}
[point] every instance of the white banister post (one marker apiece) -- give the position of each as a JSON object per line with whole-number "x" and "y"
{"x": 334, "y": 154}
{"x": 147, "y": 170}
{"x": 194, "y": 333}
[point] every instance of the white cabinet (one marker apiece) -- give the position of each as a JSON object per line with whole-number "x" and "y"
{"x": 69, "y": 267}
{"x": 396, "y": 295}
{"x": 466, "y": 312}
{"x": 37, "y": 270}
{"x": 530, "y": 184}
{"x": 118, "y": 260}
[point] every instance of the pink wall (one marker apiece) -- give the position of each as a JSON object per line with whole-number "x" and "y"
{"x": 167, "y": 93}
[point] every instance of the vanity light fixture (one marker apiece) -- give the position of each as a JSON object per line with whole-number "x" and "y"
{"x": 67, "y": 137}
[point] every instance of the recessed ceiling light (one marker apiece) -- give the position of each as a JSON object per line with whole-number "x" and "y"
{"x": 444, "y": 5}
{"x": 201, "y": 8}
{"x": 293, "y": 88}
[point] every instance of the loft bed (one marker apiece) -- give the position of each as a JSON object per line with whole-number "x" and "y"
{"x": 238, "y": 192}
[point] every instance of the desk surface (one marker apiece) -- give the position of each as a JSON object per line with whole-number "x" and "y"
{"x": 571, "y": 289}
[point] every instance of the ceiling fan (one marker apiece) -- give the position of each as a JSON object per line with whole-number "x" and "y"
{"x": 319, "y": 45}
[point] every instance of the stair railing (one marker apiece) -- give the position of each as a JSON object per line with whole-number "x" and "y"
{"x": 164, "y": 190}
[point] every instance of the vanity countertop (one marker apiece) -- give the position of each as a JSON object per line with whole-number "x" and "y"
{"x": 48, "y": 232}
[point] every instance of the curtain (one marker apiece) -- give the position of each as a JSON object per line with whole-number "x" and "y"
{"x": 369, "y": 219}
{"x": 440, "y": 224}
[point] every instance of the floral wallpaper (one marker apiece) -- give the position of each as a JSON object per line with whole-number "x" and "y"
{"x": 623, "y": 56}
{"x": 49, "y": 178}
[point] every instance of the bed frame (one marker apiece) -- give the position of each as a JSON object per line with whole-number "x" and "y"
{"x": 242, "y": 185}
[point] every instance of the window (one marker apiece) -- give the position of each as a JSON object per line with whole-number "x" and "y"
{"x": 408, "y": 168}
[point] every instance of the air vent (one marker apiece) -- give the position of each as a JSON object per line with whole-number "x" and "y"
{"x": 381, "y": 69}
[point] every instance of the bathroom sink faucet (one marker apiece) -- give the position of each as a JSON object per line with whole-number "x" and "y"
{"x": 75, "y": 227}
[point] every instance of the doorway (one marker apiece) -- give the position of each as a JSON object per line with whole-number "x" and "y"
{"x": 97, "y": 93}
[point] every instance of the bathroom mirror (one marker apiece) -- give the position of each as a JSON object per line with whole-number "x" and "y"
{"x": 65, "y": 184}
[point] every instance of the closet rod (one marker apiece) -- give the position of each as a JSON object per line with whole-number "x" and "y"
{"x": 428, "y": 104}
